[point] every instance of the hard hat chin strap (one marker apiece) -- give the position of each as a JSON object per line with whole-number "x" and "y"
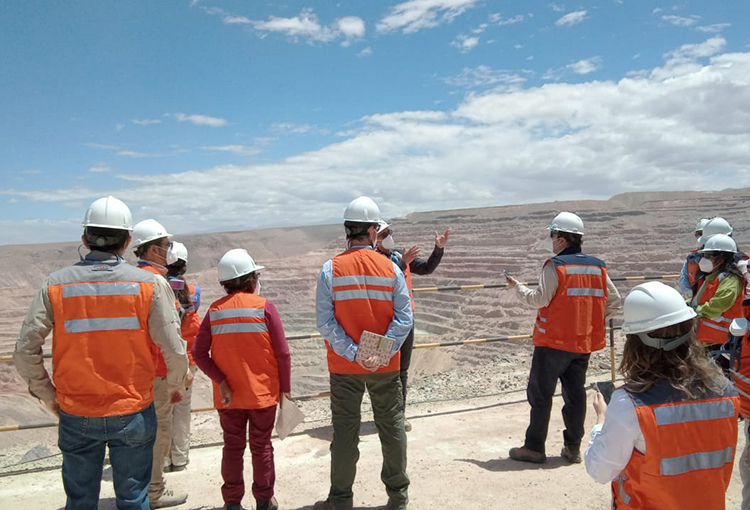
{"x": 665, "y": 344}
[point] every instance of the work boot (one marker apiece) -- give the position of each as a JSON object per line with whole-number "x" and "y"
{"x": 407, "y": 425}
{"x": 169, "y": 498}
{"x": 172, "y": 468}
{"x": 524, "y": 454}
{"x": 233, "y": 506}
{"x": 324, "y": 505}
{"x": 395, "y": 506}
{"x": 266, "y": 504}
{"x": 571, "y": 455}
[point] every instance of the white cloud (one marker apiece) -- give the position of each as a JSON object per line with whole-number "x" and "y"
{"x": 119, "y": 127}
{"x": 201, "y": 120}
{"x": 713, "y": 29}
{"x": 290, "y": 128}
{"x": 145, "y": 122}
{"x": 130, "y": 153}
{"x": 236, "y": 20}
{"x": 465, "y": 43}
{"x": 239, "y": 150}
{"x": 684, "y": 125}
{"x": 485, "y": 76}
{"x": 30, "y": 171}
{"x": 414, "y": 15}
{"x": 365, "y": 52}
{"x": 586, "y": 66}
{"x": 681, "y": 21}
{"x": 100, "y": 168}
{"x": 570, "y": 19}
{"x": 557, "y": 8}
{"x": 351, "y": 27}
{"x": 497, "y": 19}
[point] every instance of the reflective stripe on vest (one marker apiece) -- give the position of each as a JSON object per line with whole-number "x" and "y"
{"x": 669, "y": 415}
{"x": 585, "y": 292}
{"x": 101, "y": 289}
{"x": 620, "y": 480}
{"x": 234, "y": 313}
{"x": 714, "y": 330}
{"x": 104, "y": 324}
{"x": 696, "y": 461}
{"x": 364, "y": 280}
{"x": 250, "y": 327}
{"x": 380, "y": 295}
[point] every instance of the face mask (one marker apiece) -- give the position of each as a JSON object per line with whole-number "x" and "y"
{"x": 257, "y": 289}
{"x": 549, "y": 245}
{"x": 388, "y": 243}
{"x": 706, "y": 265}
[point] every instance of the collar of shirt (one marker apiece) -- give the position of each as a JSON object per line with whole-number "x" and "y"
{"x": 102, "y": 257}
{"x": 161, "y": 269}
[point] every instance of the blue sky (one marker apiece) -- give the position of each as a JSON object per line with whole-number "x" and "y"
{"x": 215, "y": 115}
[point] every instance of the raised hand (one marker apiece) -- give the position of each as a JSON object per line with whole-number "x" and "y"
{"x": 442, "y": 240}
{"x": 411, "y": 254}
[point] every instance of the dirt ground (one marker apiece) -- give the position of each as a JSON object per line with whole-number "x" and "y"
{"x": 458, "y": 458}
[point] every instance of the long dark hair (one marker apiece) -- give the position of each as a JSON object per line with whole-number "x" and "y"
{"x": 177, "y": 271}
{"x": 687, "y": 367}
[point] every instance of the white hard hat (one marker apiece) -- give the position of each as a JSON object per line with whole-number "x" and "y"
{"x": 177, "y": 251}
{"x": 739, "y": 326}
{"x": 567, "y": 222}
{"x": 108, "y": 212}
{"x": 362, "y": 210}
{"x": 148, "y": 230}
{"x": 715, "y": 226}
{"x": 702, "y": 223}
{"x": 382, "y": 225}
{"x": 236, "y": 263}
{"x": 720, "y": 242}
{"x": 651, "y": 306}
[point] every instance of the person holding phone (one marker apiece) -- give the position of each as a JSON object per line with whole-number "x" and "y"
{"x": 241, "y": 346}
{"x": 668, "y": 438}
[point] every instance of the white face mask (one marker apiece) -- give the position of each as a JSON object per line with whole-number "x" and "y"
{"x": 706, "y": 265}
{"x": 388, "y": 243}
{"x": 549, "y": 245}
{"x": 171, "y": 257}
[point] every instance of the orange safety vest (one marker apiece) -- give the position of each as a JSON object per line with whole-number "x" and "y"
{"x": 692, "y": 266}
{"x": 241, "y": 347}
{"x": 101, "y": 352}
{"x": 716, "y": 330}
{"x": 191, "y": 323}
{"x": 159, "y": 363}
{"x": 690, "y": 447}
{"x": 363, "y": 286}
{"x": 574, "y": 319}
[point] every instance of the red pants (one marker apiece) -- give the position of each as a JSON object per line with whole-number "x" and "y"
{"x": 234, "y": 423}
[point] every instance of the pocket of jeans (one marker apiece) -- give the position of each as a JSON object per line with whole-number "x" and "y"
{"x": 71, "y": 431}
{"x": 139, "y": 428}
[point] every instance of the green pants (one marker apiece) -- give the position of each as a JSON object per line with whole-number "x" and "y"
{"x": 387, "y": 406}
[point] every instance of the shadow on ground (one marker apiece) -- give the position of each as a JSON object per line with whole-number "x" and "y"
{"x": 498, "y": 465}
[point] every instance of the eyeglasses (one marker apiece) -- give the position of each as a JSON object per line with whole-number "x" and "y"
{"x": 712, "y": 255}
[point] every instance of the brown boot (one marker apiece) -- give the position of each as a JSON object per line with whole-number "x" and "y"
{"x": 571, "y": 455}
{"x": 524, "y": 454}
{"x": 324, "y": 505}
{"x": 266, "y": 504}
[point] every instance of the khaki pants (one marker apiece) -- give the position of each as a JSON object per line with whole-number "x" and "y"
{"x": 178, "y": 454}
{"x": 163, "y": 436}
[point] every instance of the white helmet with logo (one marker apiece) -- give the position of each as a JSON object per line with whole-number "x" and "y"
{"x": 567, "y": 222}
{"x": 702, "y": 223}
{"x": 236, "y": 263}
{"x": 108, "y": 212}
{"x": 715, "y": 226}
{"x": 651, "y": 306}
{"x": 148, "y": 230}
{"x": 362, "y": 210}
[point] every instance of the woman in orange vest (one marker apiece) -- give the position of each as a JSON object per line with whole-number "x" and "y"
{"x": 718, "y": 293}
{"x": 189, "y": 297}
{"x": 668, "y": 439}
{"x": 241, "y": 346}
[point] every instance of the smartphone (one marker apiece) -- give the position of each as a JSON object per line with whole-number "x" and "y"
{"x": 506, "y": 273}
{"x": 605, "y": 388}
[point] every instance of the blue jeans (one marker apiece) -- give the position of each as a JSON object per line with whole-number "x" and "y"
{"x": 130, "y": 438}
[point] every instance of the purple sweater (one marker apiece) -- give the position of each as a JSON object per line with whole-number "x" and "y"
{"x": 202, "y": 347}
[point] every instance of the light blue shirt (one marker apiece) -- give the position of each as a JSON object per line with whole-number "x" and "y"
{"x": 341, "y": 343}
{"x": 684, "y": 281}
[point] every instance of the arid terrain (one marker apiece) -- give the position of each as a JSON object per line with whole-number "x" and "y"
{"x": 642, "y": 233}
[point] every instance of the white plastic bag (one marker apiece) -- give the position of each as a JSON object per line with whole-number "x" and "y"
{"x": 288, "y": 418}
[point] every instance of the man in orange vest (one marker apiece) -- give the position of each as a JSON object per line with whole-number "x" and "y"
{"x": 105, "y": 316}
{"x": 574, "y": 297}
{"x": 151, "y": 245}
{"x": 360, "y": 290}
{"x": 410, "y": 263}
